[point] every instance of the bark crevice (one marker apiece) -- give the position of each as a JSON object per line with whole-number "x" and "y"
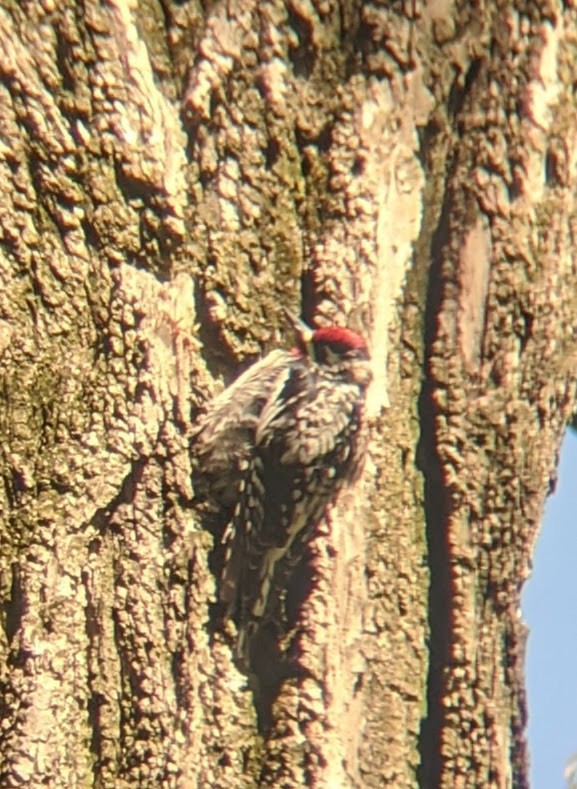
{"x": 437, "y": 513}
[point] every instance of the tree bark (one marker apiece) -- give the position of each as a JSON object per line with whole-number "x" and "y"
{"x": 173, "y": 174}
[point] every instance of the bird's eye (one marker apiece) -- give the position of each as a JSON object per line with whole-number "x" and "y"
{"x": 331, "y": 355}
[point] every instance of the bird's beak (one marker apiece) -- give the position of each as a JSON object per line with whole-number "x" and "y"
{"x": 303, "y": 332}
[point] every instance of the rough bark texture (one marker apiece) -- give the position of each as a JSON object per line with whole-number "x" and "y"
{"x": 171, "y": 174}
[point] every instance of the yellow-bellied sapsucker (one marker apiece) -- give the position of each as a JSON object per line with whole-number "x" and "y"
{"x": 280, "y": 443}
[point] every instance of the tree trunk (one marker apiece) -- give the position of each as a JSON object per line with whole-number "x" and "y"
{"x": 172, "y": 175}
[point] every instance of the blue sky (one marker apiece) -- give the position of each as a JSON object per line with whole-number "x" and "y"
{"x": 550, "y": 610}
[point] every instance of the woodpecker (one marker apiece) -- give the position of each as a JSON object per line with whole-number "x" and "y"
{"x": 279, "y": 444}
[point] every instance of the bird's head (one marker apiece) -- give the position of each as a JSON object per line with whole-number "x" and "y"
{"x": 337, "y": 349}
